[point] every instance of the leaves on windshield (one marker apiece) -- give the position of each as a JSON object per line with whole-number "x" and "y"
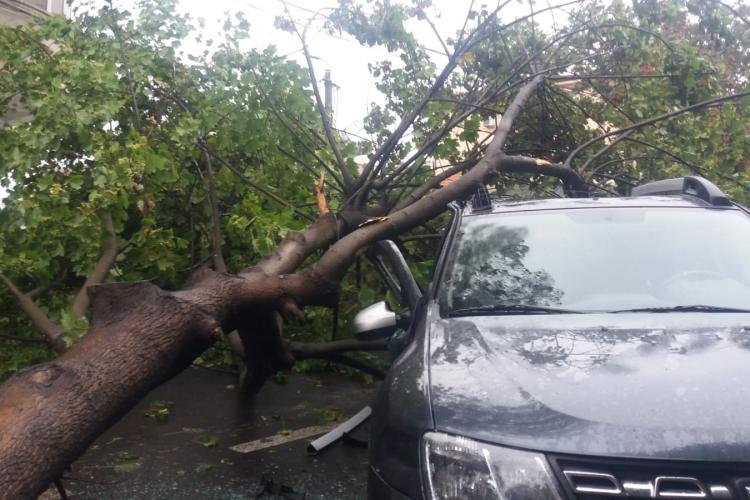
{"x": 489, "y": 269}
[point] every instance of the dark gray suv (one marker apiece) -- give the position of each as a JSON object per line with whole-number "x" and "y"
{"x": 574, "y": 349}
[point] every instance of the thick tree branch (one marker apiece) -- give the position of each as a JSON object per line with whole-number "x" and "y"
{"x": 101, "y": 268}
{"x": 139, "y": 337}
{"x": 331, "y": 267}
{"x": 303, "y": 350}
{"x": 511, "y": 113}
{"x": 575, "y": 184}
{"x": 297, "y": 246}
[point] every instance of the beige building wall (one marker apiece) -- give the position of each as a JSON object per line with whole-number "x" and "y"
{"x": 15, "y": 12}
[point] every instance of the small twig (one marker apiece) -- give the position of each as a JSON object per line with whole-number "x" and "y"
{"x": 605, "y": 149}
{"x": 356, "y": 364}
{"x": 93, "y": 481}
{"x": 18, "y": 338}
{"x": 566, "y": 78}
{"x": 734, "y": 12}
{"x": 436, "y": 33}
{"x": 274, "y": 106}
{"x": 216, "y": 369}
{"x": 653, "y": 120}
{"x": 261, "y": 189}
{"x": 345, "y": 174}
{"x": 213, "y": 201}
{"x": 416, "y": 237}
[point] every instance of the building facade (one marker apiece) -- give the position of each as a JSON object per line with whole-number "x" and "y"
{"x": 15, "y": 12}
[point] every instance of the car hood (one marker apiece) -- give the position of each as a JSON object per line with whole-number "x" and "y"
{"x": 597, "y": 384}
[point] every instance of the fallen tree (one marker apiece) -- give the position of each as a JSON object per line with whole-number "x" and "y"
{"x": 140, "y": 335}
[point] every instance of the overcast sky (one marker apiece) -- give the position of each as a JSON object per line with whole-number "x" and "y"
{"x": 346, "y": 59}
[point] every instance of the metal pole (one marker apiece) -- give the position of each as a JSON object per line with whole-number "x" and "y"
{"x": 329, "y": 94}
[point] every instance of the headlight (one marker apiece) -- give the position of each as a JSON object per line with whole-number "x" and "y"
{"x": 460, "y": 468}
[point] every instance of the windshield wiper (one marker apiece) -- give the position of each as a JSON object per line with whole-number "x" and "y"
{"x": 693, "y": 308}
{"x": 501, "y": 310}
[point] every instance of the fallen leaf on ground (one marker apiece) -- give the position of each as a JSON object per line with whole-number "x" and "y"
{"x": 210, "y": 442}
{"x": 204, "y": 467}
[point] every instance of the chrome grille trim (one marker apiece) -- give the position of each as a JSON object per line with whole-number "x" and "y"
{"x": 660, "y": 487}
{"x": 638, "y": 489}
{"x": 662, "y": 491}
{"x": 572, "y": 475}
{"x": 720, "y": 492}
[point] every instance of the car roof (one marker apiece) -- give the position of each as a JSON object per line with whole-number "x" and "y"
{"x": 499, "y": 205}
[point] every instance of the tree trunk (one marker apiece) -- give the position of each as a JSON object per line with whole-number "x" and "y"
{"x": 49, "y": 414}
{"x": 139, "y": 337}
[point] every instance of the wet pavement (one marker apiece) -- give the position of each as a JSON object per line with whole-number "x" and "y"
{"x": 187, "y": 454}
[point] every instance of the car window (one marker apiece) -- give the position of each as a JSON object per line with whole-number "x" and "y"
{"x": 602, "y": 259}
{"x": 422, "y": 248}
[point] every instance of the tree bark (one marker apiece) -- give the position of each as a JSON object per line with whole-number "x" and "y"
{"x": 49, "y": 414}
{"x": 51, "y": 330}
{"x": 101, "y": 268}
{"x": 140, "y": 336}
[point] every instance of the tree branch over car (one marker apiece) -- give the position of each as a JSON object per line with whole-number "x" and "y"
{"x": 225, "y": 160}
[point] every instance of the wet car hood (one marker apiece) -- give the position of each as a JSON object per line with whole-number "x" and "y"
{"x": 597, "y": 384}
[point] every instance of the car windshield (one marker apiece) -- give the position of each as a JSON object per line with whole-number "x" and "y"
{"x": 600, "y": 259}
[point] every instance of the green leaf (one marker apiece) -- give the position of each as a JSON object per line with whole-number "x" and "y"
{"x": 210, "y": 442}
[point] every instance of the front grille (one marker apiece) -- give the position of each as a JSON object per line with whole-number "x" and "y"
{"x": 600, "y": 479}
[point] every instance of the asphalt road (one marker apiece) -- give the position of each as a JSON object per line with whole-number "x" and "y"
{"x": 187, "y": 456}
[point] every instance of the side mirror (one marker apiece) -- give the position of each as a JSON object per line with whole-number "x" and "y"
{"x": 374, "y": 322}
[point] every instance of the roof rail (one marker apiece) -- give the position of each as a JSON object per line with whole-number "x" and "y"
{"x": 699, "y": 187}
{"x": 481, "y": 200}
